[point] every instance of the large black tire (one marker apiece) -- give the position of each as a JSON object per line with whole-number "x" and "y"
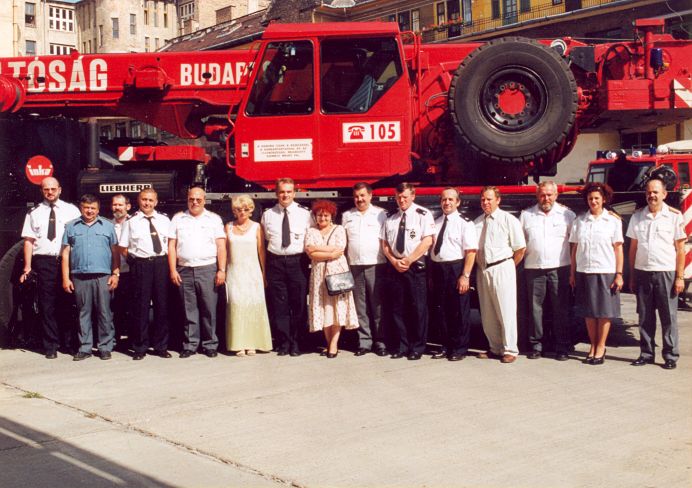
{"x": 513, "y": 100}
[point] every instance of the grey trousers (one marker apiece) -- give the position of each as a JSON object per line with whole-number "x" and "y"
{"x": 369, "y": 282}
{"x": 94, "y": 297}
{"x": 553, "y": 284}
{"x": 654, "y": 290}
{"x": 199, "y": 299}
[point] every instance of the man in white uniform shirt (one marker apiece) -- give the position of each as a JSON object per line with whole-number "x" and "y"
{"x": 122, "y": 295}
{"x": 453, "y": 255}
{"x": 406, "y": 237}
{"x": 657, "y": 265}
{"x": 547, "y": 227}
{"x": 285, "y": 226}
{"x": 501, "y": 248}
{"x": 197, "y": 266}
{"x": 144, "y": 240}
{"x": 43, "y": 229}
{"x": 363, "y": 226}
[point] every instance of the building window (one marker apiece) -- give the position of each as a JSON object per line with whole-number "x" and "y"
{"x": 415, "y": 20}
{"x": 146, "y": 16}
{"x": 156, "y": 14}
{"x": 121, "y": 129}
{"x": 146, "y": 45}
{"x": 165, "y": 20}
{"x": 133, "y": 24}
{"x": 187, "y": 11}
{"x": 89, "y": 44}
{"x": 61, "y": 19}
{"x": 156, "y": 44}
{"x": 440, "y": 13}
{"x": 136, "y": 129}
{"x": 30, "y": 14}
{"x": 525, "y": 5}
{"x": 466, "y": 5}
{"x": 100, "y": 35}
{"x": 60, "y": 49}
{"x": 30, "y": 48}
{"x": 116, "y": 27}
{"x": 495, "y": 9}
{"x": 404, "y": 20}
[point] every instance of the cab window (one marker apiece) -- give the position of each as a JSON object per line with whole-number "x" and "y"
{"x": 284, "y": 83}
{"x": 355, "y": 73}
{"x": 684, "y": 173}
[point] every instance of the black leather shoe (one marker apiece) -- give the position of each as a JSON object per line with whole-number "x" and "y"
{"x": 414, "y": 356}
{"x": 396, "y": 355}
{"x": 186, "y": 353}
{"x": 534, "y": 355}
{"x": 381, "y": 352}
{"x": 440, "y": 354}
{"x": 332, "y": 355}
{"x": 81, "y": 356}
{"x": 362, "y": 351}
{"x": 641, "y": 361}
{"x": 561, "y": 356}
{"x": 210, "y": 353}
{"x": 282, "y": 353}
{"x": 51, "y": 355}
{"x": 163, "y": 354}
{"x": 669, "y": 364}
{"x": 294, "y": 354}
{"x": 456, "y": 357}
{"x": 105, "y": 355}
{"x": 138, "y": 356}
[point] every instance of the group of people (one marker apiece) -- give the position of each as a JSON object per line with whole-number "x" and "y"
{"x": 290, "y": 254}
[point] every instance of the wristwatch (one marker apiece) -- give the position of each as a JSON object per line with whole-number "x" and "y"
{"x": 466, "y": 275}
{"x": 116, "y": 273}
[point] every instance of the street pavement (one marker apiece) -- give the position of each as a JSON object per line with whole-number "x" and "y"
{"x": 348, "y": 422}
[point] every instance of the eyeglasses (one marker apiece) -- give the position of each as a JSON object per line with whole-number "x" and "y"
{"x": 243, "y": 209}
{"x": 194, "y": 200}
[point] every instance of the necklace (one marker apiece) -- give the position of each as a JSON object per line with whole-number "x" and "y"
{"x": 243, "y": 228}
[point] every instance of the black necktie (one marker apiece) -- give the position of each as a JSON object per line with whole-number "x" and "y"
{"x": 51, "y": 223}
{"x": 154, "y": 236}
{"x": 285, "y": 231}
{"x": 401, "y": 235}
{"x": 440, "y": 236}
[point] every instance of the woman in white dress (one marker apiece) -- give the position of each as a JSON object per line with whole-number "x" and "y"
{"x": 325, "y": 246}
{"x": 247, "y": 323}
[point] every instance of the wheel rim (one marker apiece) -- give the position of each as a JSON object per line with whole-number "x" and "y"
{"x": 513, "y": 99}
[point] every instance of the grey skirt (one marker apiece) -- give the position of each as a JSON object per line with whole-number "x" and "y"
{"x": 595, "y": 299}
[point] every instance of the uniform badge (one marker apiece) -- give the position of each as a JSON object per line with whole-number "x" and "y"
{"x": 412, "y": 234}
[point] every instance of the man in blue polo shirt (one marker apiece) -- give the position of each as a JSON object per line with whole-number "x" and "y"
{"x": 90, "y": 270}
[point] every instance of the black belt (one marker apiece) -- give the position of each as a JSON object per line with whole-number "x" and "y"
{"x": 151, "y": 258}
{"x": 456, "y": 261}
{"x": 497, "y": 262}
{"x": 285, "y": 257}
{"x": 38, "y": 257}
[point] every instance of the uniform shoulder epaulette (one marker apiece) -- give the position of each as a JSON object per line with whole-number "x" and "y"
{"x": 303, "y": 207}
{"x": 34, "y": 207}
{"x": 391, "y": 212}
{"x": 130, "y": 216}
{"x": 163, "y": 213}
{"x": 421, "y": 211}
{"x": 464, "y": 217}
{"x": 674, "y": 210}
{"x": 614, "y": 214}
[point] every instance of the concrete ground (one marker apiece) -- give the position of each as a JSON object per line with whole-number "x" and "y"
{"x": 348, "y": 422}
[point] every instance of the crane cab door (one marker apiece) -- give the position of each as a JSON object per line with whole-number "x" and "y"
{"x": 327, "y": 115}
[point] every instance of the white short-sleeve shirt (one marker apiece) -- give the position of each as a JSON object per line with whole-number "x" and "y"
{"x": 419, "y": 224}
{"x": 136, "y": 234}
{"x": 595, "y": 237}
{"x": 656, "y": 236}
{"x": 36, "y": 226}
{"x": 503, "y": 236}
{"x": 363, "y": 231}
{"x": 547, "y": 236}
{"x": 299, "y": 221}
{"x": 196, "y": 237}
{"x": 460, "y": 236}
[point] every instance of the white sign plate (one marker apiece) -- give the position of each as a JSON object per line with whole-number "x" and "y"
{"x": 356, "y": 132}
{"x": 283, "y": 150}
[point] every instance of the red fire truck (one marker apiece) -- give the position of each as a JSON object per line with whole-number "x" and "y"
{"x": 329, "y": 105}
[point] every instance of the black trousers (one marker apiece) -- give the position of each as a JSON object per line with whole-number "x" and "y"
{"x": 53, "y": 305}
{"x": 150, "y": 283}
{"x": 451, "y": 310}
{"x": 287, "y": 283}
{"x": 122, "y": 307}
{"x": 409, "y": 302}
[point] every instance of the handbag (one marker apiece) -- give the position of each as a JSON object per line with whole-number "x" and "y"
{"x": 338, "y": 283}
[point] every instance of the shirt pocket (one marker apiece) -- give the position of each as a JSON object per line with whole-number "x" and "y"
{"x": 665, "y": 232}
{"x": 559, "y": 230}
{"x": 76, "y": 235}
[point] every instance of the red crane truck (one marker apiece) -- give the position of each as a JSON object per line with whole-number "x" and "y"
{"x": 330, "y": 105}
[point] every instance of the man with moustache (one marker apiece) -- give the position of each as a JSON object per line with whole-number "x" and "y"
{"x": 501, "y": 248}
{"x": 363, "y": 225}
{"x": 285, "y": 226}
{"x": 91, "y": 270}
{"x": 406, "y": 237}
{"x": 144, "y": 242}
{"x": 547, "y": 227}
{"x": 657, "y": 265}
{"x": 43, "y": 229}
{"x": 453, "y": 255}
{"x": 120, "y": 207}
{"x": 197, "y": 266}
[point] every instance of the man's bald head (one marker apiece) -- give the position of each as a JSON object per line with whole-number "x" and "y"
{"x": 50, "y": 187}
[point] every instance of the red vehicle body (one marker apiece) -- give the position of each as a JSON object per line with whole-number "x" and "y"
{"x": 332, "y": 104}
